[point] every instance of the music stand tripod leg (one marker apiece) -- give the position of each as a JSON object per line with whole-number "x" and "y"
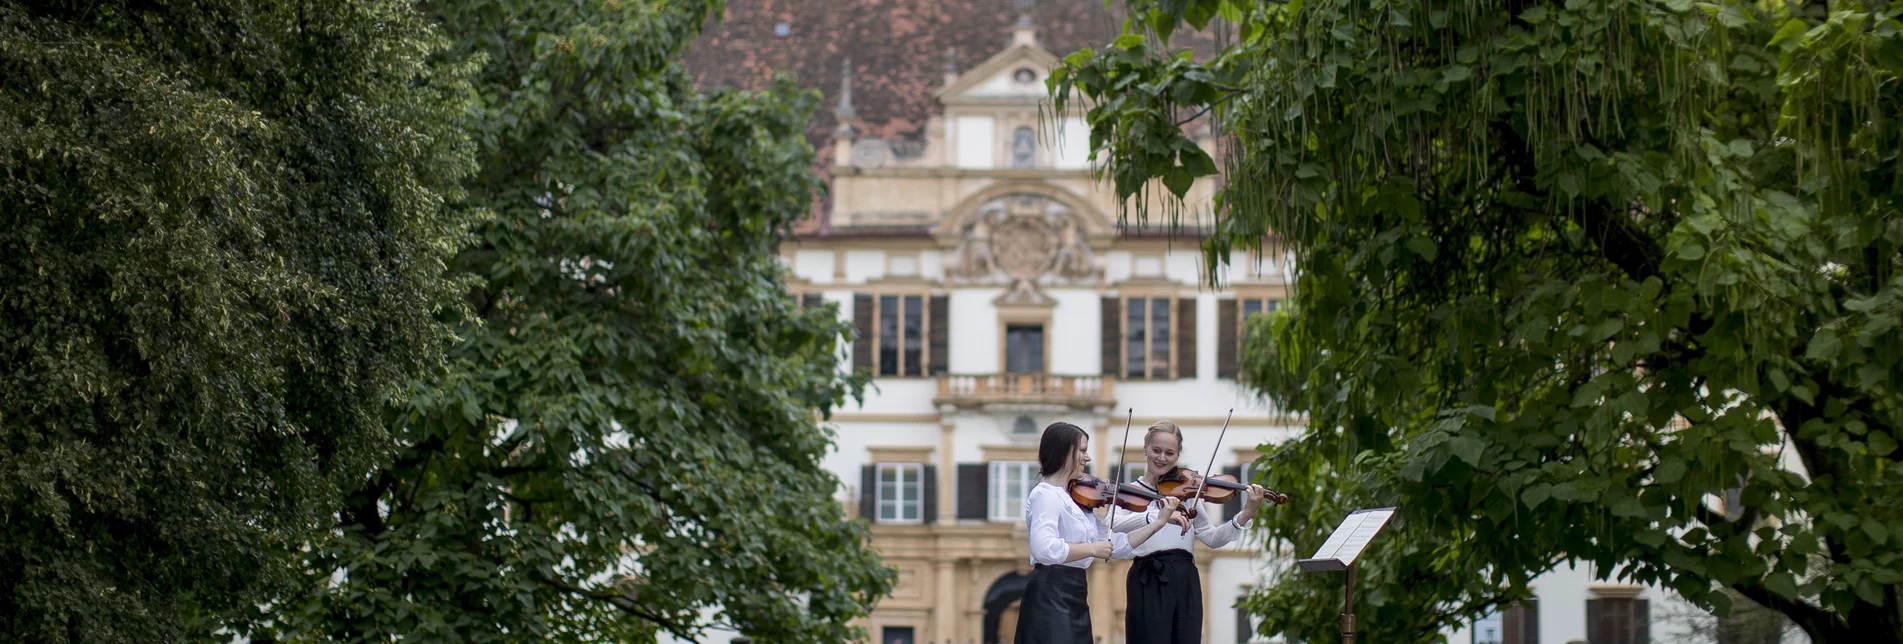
{"x": 1348, "y": 610}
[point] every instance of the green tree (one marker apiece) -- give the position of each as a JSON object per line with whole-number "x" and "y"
{"x": 627, "y": 433}
{"x": 224, "y": 240}
{"x": 1566, "y": 271}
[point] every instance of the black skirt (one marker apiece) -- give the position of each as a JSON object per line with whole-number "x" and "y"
{"x": 1055, "y": 607}
{"x": 1166, "y": 600}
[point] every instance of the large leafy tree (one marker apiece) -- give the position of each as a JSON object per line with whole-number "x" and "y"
{"x": 1567, "y": 273}
{"x": 224, "y": 240}
{"x": 627, "y": 435}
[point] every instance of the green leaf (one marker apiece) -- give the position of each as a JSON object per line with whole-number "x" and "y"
{"x": 1536, "y": 494}
{"x": 1467, "y": 448}
{"x": 1534, "y": 15}
{"x": 1670, "y": 470}
{"x": 1877, "y": 531}
{"x": 1197, "y": 162}
{"x": 1691, "y": 251}
{"x": 1178, "y": 180}
{"x": 1423, "y": 247}
{"x": 1824, "y": 345}
{"x": 1127, "y": 42}
{"x": 1781, "y": 583}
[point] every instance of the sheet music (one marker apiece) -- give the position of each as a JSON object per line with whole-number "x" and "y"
{"x": 1349, "y": 539}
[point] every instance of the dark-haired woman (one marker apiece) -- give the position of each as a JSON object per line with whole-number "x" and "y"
{"x": 1065, "y": 539}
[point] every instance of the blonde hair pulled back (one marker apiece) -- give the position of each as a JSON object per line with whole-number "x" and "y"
{"x": 1163, "y": 427}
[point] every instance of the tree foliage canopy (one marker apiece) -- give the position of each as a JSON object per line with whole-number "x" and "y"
{"x": 224, "y": 240}
{"x": 626, "y": 434}
{"x": 1567, "y": 272}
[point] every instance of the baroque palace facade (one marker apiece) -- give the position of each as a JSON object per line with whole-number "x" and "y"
{"x": 994, "y": 293}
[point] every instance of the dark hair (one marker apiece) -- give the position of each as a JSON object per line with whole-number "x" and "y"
{"x": 1054, "y": 450}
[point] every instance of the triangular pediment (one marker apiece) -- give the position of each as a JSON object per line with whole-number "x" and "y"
{"x": 997, "y": 79}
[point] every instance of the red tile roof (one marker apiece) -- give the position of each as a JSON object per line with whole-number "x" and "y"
{"x": 898, "y": 50}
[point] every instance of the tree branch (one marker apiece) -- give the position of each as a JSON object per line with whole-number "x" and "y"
{"x": 1822, "y": 625}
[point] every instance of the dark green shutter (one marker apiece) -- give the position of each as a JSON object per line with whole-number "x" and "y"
{"x": 1227, "y": 346}
{"x": 929, "y": 488}
{"x": 1112, "y": 335}
{"x": 939, "y": 312}
{"x": 810, "y": 300}
{"x": 869, "y": 492}
{"x": 974, "y": 491}
{"x": 862, "y": 321}
{"x": 1186, "y": 338}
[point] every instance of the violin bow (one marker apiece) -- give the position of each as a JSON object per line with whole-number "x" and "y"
{"x": 1212, "y": 462}
{"x": 1123, "y": 452}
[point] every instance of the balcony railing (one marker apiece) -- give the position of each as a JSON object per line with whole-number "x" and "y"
{"x": 1033, "y": 388}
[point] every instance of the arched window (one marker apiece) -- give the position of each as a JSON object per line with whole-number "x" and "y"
{"x": 1023, "y": 148}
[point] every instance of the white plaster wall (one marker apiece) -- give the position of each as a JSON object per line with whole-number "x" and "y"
{"x": 896, "y": 396}
{"x": 1072, "y": 149}
{"x": 1116, "y": 266}
{"x": 974, "y": 339}
{"x": 1002, "y": 84}
{"x": 862, "y": 265}
{"x": 1184, "y": 263}
{"x": 1206, "y": 339}
{"x": 815, "y": 266}
{"x": 1227, "y": 576}
{"x": 931, "y": 264}
{"x": 1190, "y": 398}
{"x": 1076, "y": 333}
{"x": 977, "y": 142}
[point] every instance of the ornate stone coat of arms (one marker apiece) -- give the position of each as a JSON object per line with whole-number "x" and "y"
{"x": 1025, "y": 237}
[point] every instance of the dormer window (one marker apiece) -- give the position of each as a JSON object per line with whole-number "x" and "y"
{"x": 1024, "y": 76}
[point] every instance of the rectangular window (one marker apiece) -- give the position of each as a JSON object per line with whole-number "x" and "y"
{"x": 977, "y": 142}
{"x": 1146, "y": 337}
{"x": 1011, "y": 481}
{"x": 1134, "y": 471}
{"x": 1024, "y": 348}
{"x": 901, "y": 492}
{"x": 896, "y": 635}
{"x": 901, "y": 335}
{"x": 1250, "y": 307}
{"x": 914, "y": 324}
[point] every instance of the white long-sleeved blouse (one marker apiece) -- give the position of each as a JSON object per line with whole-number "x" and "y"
{"x": 1055, "y": 522}
{"x": 1173, "y": 537}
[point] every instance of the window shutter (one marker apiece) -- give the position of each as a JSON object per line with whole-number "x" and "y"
{"x": 1520, "y": 624}
{"x": 1641, "y": 624}
{"x": 1227, "y": 346}
{"x": 869, "y": 492}
{"x": 862, "y": 320}
{"x": 929, "y": 488}
{"x": 1234, "y": 506}
{"x": 1596, "y": 630}
{"x": 1186, "y": 338}
{"x": 1112, "y": 335}
{"x": 973, "y": 491}
{"x": 1244, "y": 630}
{"x": 810, "y": 300}
{"x": 938, "y": 310}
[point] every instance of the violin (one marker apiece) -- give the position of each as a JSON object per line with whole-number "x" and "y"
{"x": 1090, "y": 493}
{"x": 1182, "y": 482}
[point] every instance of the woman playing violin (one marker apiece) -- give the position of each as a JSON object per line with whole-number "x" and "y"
{"x": 1165, "y": 590}
{"x": 1065, "y": 539}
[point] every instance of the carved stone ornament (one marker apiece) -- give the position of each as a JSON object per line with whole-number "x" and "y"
{"x": 1025, "y": 237}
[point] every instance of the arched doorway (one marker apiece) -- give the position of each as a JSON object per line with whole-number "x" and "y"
{"x": 1001, "y": 608}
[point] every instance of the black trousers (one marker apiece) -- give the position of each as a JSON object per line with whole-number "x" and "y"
{"x": 1166, "y": 600}
{"x": 1054, "y": 609}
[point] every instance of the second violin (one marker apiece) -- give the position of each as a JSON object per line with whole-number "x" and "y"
{"x": 1182, "y": 483}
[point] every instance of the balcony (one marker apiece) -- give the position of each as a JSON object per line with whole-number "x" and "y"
{"x": 1082, "y": 392}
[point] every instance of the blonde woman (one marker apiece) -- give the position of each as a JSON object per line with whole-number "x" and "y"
{"x": 1065, "y": 539}
{"x": 1165, "y": 590}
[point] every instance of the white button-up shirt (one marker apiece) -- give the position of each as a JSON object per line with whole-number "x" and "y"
{"x": 1055, "y": 522}
{"x": 1172, "y": 537}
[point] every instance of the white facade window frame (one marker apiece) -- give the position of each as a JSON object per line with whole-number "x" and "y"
{"x": 901, "y": 493}
{"x": 1008, "y": 483}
